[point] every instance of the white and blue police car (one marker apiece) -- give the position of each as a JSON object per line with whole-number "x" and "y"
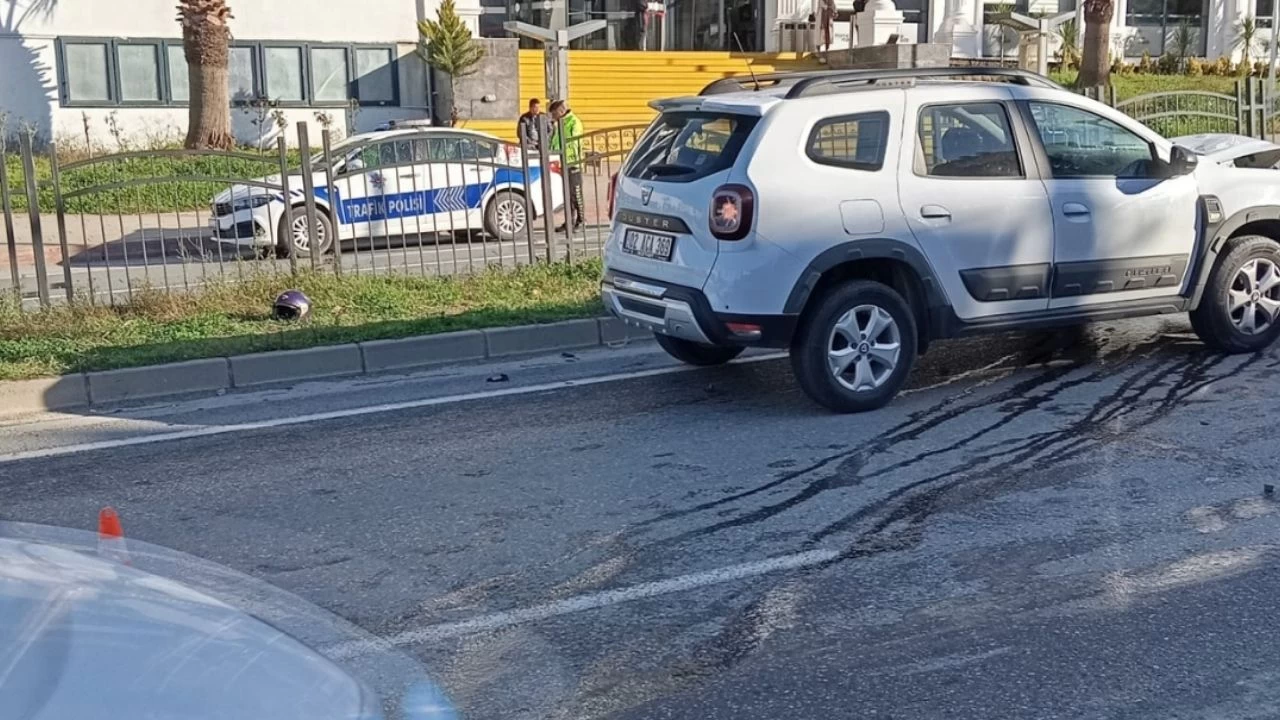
{"x": 398, "y": 182}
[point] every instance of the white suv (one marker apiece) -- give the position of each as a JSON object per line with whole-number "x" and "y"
{"x": 856, "y": 216}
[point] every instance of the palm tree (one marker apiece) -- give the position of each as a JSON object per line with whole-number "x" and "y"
{"x": 1246, "y": 38}
{"x": 206, "y": 41}
{"x": 1069, "y": 37}
{"x": 1095, "y": 65}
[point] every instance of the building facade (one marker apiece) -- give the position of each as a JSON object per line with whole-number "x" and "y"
{"x": 113, "y": 73}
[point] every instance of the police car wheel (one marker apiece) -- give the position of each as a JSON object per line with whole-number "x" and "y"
{"x": 296, "y": 239}
{"x": 506, "y": 215}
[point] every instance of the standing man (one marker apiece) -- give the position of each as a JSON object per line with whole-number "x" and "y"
{"x": 827, "y": 22}
{"x": 566, "y": 129}
{"x": 527, "y": 126}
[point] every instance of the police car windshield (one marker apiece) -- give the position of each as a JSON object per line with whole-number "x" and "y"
{"x": 338, "y": 152}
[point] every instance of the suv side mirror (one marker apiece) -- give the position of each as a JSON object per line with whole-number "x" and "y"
{"x": 1182, "y": 161}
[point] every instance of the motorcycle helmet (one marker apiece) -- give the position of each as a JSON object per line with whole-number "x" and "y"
{"x": 291, "y": 305}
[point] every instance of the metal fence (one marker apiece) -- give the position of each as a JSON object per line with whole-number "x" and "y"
{"x": 1250, "y": 109}
{"x": 429, "y": 202}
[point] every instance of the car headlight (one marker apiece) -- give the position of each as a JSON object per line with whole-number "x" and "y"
{"x": 248, "y": 203}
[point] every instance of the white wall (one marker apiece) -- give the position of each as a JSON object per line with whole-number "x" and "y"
{"x": 29, "y": 77}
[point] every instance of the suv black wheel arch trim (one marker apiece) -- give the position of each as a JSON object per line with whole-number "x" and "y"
{"x": 1214, "y": 237}
{"x": 935, "y": 308}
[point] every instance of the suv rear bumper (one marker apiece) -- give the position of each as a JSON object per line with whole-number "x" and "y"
{"x": 685, "y": 313}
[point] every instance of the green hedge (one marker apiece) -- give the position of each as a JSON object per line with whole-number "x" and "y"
{"x": 161, "y": 196}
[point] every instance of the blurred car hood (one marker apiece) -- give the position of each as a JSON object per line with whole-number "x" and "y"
{"x": 171, "y": 636}
{"x": 83, "y": 635}
{"x": 1224, "y": 148}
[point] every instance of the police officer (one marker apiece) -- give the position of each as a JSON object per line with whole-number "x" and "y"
{"x": 566, "y": 130}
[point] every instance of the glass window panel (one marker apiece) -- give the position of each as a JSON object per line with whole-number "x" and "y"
{"x": 967, "y": 140}
{"x": 329, "y": 74}
{"x": 139, "y": 68}
{"x": 179, "y": 83}
{"x": 374, "y": 81}
{"x": 857, "y": 142}
{"x": 242, "y": 72}
{"x": 86, "y": 72}
{"x": 284, "y": 73}
{"x": 1081, "y": 144}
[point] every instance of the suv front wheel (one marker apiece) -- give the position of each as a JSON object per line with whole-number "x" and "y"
{"x": 1240, "y": 310}
{"x": 857, "y": 348}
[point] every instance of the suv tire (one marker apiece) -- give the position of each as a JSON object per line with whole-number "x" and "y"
{"x": 1240, "y": 309}
{"x": 692, "y": 353}
{"x": 868, "y": 327}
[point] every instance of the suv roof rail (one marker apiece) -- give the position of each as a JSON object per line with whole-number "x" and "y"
{"x": 823, "y": 82}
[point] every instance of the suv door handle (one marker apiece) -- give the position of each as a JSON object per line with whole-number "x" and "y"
{"x": 1073, "y": 209}
{"x": 935, "y": 212}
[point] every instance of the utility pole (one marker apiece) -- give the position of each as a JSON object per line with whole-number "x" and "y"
{"x": 555, "y": 39}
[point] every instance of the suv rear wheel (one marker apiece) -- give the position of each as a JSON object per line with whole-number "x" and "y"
{"x": 855, "y": 351}
{"x": 1240, "y": 310}
{"x": 694, "y": 353}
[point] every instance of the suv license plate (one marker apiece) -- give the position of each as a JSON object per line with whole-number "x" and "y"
{"x": 648, "y": 245}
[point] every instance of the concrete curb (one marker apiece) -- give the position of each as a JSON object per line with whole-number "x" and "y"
{"x": 82, "y": 390}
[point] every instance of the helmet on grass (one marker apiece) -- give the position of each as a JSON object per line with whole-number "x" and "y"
{"x": 291, "y": 305}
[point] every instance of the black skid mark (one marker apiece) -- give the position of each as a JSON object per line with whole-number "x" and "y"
{"x": 915, "y": 507}
{"x": 1021, "y": 398}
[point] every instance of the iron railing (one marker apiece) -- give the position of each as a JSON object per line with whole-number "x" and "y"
{"x": 102, "y": 229}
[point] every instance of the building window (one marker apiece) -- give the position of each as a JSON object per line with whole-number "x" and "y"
{"x": 138, "y": 66}
{"x": 242, "y": 74}
{"x": 1263, "y": 12}
{"x": 105, "y": 72}
{"x": 179, "y": 82}
{"x": 1165, "y": 12}
{"x": 86, "y": 72}
{"x": 375, "y": 76}
{"x": 330, "y": 77}
{"x": 283, "y": 71}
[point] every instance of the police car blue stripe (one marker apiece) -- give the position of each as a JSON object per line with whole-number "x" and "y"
{"x": 423, "y": 202}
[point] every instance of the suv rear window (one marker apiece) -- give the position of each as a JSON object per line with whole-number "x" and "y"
{"x": 687, "y": 146}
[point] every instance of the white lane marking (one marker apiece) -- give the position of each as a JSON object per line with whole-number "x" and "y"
{"x": 356, "y": 412}
{"x": 592, "y": 601}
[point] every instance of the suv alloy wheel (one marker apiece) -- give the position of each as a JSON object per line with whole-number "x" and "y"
{"x": 857, "y": 348}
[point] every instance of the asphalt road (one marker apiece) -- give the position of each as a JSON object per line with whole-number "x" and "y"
{"x": 1057, "y": 526}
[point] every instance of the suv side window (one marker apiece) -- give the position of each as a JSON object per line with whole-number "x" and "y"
{"x": 1082, "y": 144}
{"x": 857, "y": 142}
{"x": 967, "y": 140}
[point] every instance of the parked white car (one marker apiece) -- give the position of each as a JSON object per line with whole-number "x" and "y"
{"x": 392, "y": 183}
{"x": 1234, "y": 150}
{"x": 856, "y": 216}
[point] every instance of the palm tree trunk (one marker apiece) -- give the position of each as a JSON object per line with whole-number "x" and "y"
{"x": 206, "y": 41}
{"x": 1095, "y": 63}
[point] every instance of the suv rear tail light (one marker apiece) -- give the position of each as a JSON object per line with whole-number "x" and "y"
{"x": 554, "y": 165}
{"x": 613, "y": 193}
{"x": 730, "y": 215}
{"x": 512, "y": 153}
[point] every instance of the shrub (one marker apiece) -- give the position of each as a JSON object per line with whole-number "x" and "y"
{"x": 1168, "y": 64}
{"x": 1223, "y": 66}
{"x": 1195, "y": 67}
{"x": 1145, "y": 65}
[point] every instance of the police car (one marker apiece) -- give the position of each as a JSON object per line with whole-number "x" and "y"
{"x": 404, "y": 181}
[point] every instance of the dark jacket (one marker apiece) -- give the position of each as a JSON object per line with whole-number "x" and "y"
{"x": 527, "y": 129}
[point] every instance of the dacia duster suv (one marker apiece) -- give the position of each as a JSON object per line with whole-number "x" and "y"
{"x": 854, "y": 217}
